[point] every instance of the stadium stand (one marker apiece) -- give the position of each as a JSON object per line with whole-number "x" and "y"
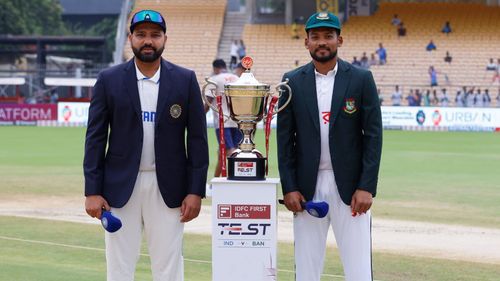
{"x": 474, "y": 39}
{"x": 193, "y": 30}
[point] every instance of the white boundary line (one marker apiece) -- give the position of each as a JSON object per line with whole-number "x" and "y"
{"x": 144, "y": 255}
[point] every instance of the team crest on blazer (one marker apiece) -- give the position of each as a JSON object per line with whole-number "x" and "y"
{"x": 175, "y": 111}
{"x": 350, "y": 106}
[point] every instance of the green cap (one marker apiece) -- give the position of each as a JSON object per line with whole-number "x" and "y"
{"x": 323, "y": 19}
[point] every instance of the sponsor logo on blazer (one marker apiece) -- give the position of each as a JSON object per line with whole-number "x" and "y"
{"x": 350, "y": 106}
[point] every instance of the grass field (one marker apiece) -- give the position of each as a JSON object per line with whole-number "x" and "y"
{"x": 438, "y": 177}
{"x": 426, "y": 176}
{"x": 63, "y": 251}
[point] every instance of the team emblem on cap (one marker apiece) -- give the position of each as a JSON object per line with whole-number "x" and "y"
{"x": 322, "y": 16}
{"x": 350, "y": 106}
{"x": 175, "y": 111}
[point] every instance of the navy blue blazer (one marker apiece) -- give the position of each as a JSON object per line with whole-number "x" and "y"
{"x": 355, "y": 132}
{"x": 115, "y": 121}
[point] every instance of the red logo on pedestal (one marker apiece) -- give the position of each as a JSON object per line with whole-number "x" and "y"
{"x": 226, "y": 211}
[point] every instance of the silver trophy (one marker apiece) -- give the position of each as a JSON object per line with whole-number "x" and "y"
{"x": 248, "y": 101}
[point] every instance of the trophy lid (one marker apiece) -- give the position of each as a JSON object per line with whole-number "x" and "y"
{"x": 247, "y": 80}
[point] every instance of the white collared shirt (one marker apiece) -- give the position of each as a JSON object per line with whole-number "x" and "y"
{"x": 148, "y": 94}
{"x": 324, "y": 93}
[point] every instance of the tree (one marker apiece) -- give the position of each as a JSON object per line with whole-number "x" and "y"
{"x": 106, "y": 27}
{"x": 31, "y": 17}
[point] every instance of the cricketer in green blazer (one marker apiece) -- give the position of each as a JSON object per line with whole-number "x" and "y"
{"x": 355, "y": 132}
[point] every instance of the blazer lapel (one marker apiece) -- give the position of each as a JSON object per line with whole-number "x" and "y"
{"x": 310, "y": 94}
{"x": 164, "y": 91}
{"x": 339, "y": 89}
{"x": 131, "y": 87}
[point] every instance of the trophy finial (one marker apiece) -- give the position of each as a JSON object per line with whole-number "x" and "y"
{"x": 247, "y": 62}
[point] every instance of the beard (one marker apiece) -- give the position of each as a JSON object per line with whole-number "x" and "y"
{"x": 149, "y": 57}
{"x": 325, "y": 58}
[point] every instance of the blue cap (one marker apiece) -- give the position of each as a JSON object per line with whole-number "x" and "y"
{"x": 148, "y": 16}
{"x": 110, "y": 222}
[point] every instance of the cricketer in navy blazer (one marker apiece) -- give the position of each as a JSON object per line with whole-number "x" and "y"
{"x": 115, "y": 122}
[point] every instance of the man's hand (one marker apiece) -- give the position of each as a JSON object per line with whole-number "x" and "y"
{"x": 94, "y": 205}
{"x": 293, "y": 200}
{"x": 190, "y": 208}
{"x": 361, "y": 202}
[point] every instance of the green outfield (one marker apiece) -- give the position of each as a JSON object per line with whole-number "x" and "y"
{"x": 441, "y": 177}
{"x": 36, "y": 250}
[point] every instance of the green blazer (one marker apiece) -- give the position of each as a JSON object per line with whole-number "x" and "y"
{"x": 355, "y": 134}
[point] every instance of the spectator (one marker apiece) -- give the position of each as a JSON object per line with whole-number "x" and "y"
{"x": 382, "y": 54}
{"x": 380, "y": 97}
{"x": 356, "y": 62}
{"x": 431, "y": 46}
{"x": 433, "y": 76}
{"x": 487, "y": 98}
{"x": 435, "y": 100}
{"x": 242, "y": 50}
{"x": 396, "y": 97}
{"x": 448, "y": 57}
{"x": 460, "y": 98}
{"x": 427, "y": 98}
{"x": 233, "y": 51}
{"x": 373, "y": 60}
{"x": 478, "y": 99}
{"x": 418, "y": 97}
{"x": 412, "y": 101}
{"x": 395, "y": 20}
{"x": 446, "y": 28}
{"x": 498, "y": 98}
{"x": 296, "y": 63}
{"x": 54, "y": 97}
{"x": 401, "y": 30}
{"x": 364, "y": 61}
{"x": 496, "y": 77}
{"x": 492, "y": 65}
{"x": 469, "y": 98}
{"x": 443, "y": 99}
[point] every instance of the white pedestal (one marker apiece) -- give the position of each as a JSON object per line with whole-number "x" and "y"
{"x": 244, "y": 238}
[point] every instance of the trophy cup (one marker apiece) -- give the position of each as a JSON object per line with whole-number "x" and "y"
{"x": 248, "y": 101}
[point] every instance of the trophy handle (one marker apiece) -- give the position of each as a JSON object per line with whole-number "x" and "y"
{"x": 278, "y": 89}
{"x": 205, "y": 100}
{"x": 204, "y": 97}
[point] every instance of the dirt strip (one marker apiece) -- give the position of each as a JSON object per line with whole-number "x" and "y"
{"x": 474, "y": 244}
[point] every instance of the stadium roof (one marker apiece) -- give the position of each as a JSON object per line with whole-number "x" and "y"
{"x": 91, "y": 7}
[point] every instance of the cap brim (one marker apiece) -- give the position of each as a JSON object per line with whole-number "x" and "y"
{"x": 133, "y": 26}
{"x": 322, "y": 24}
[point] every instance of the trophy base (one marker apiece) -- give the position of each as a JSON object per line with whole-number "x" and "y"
{"x": 246, "y": 169}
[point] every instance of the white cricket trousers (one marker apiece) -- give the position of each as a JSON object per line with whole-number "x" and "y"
{"x": 353, "y": 236}
{"x": 146, "y": 211}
